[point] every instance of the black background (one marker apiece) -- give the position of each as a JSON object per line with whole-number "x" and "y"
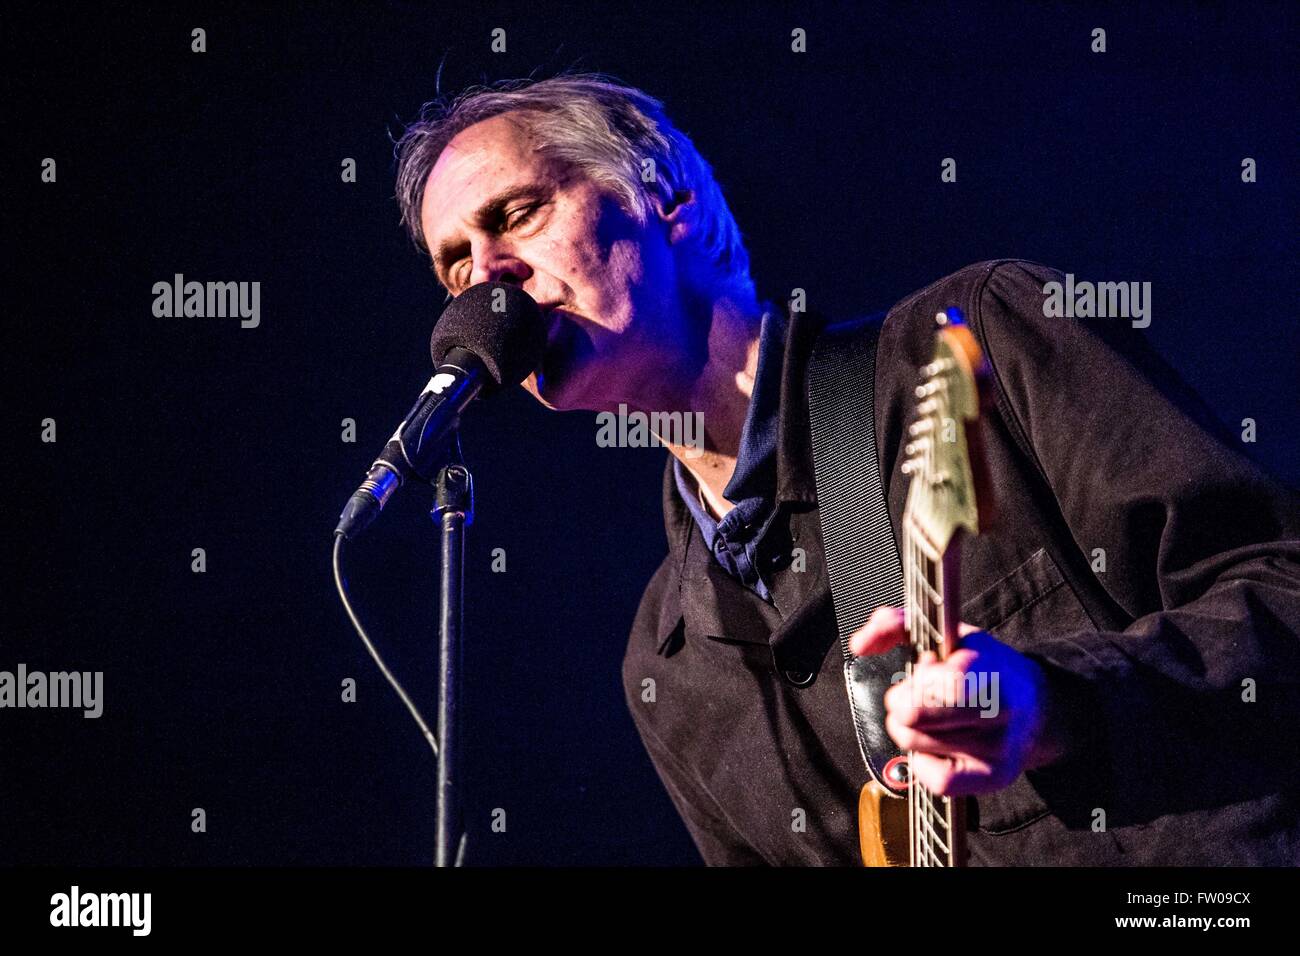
{"x": 222, "y": 689}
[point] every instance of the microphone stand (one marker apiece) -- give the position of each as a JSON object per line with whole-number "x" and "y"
{"x": 453, "y": 510}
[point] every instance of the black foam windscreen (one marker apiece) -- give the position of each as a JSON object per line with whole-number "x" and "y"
{"x": 498, "y": 322}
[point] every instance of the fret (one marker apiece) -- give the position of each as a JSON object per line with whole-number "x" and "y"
{"x": 924, "y": 549}
{"x": 929, "y": 828}
{"x": 927, "y": 589}
{"x": 930, "y": 629}
{"x": 928, "y": 856}
{"x": 933, "y": 810}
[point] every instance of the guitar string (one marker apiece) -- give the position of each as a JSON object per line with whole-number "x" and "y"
{"x": 928, "y": 816}
{"x": 925, "y": 599}
{"x": 913, "y": 808}
{"x": 935, "y": 596}
{"x": 927, "y": 627}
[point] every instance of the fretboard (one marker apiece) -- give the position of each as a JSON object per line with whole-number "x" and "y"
{"x": 932, "y": 818}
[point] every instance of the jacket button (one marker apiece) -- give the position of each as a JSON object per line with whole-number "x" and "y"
{"x": 800, "y": 678}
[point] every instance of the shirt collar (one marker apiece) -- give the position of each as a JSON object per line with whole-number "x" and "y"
{"x": 785, "y": 373}
{"x": 755, "y": 473}
{"x": 795, "y": 485}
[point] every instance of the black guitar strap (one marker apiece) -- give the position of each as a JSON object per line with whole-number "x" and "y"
{"x": 862, "y": 560}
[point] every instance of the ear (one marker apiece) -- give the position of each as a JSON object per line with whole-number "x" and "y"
{"x": 679, "y": 214}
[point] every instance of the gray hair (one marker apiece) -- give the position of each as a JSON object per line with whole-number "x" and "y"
{"x": 617, "y": 136}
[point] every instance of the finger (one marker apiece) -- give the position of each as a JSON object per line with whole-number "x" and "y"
{"x": 952, "y": 776}
{"x": 883, "y": 630}
{"x": 962, "y": 659}
{"x": 980, "y": 744}
{"x": 917, "y": 712}
{"x": 935, "y": 719}
{"x": 940, "y": 693}
{"x": 933, "y": 684}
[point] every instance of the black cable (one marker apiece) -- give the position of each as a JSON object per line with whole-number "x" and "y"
{"x": 383, "y": 668}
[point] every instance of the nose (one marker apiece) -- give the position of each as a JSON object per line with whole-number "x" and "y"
{"x": 498, "y": 264}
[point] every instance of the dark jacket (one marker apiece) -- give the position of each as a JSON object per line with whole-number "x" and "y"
{"x": 1179, "y": 651}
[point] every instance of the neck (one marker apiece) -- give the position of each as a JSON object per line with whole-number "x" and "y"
{"x": 720, "y": 391}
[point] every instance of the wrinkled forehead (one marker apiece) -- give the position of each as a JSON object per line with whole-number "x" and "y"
{"x": 481, "y": 161}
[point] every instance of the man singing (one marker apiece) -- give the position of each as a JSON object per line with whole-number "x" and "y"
{"x": 1138, "y": 599}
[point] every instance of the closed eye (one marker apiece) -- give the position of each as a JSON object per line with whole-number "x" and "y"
{"x": 505, "y": 223}
{"x": 456, "y": 270}
{"x": 520, "y": 216}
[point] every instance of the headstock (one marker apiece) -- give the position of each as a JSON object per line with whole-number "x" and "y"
{"x": 945, "y": 456}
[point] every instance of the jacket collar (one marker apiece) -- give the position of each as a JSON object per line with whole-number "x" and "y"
{"x": 795, "y": 484}
{"x": 794, "y": 474}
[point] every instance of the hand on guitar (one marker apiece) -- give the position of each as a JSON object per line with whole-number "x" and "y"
{"x": 961, "y": 745}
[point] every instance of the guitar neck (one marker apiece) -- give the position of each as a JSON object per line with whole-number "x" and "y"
{"x": 947, "y": 497}
{"x": 932, "y": 585}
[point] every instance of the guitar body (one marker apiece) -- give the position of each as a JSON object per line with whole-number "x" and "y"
{"x": 882, "y": 827}
{"x": 948, "y": 497}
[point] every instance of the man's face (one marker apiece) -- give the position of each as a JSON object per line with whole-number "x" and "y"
{"x": 495, "y": 210}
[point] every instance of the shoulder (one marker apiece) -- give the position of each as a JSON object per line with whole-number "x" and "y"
{"x": 1002, "y": 301}
{"x": 991, "y": 292}
{"x": 1046, "y": 364}
{"x": 1002, "y": 286}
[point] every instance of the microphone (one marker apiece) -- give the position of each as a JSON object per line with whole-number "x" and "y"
{"x": 489, "y": 336}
